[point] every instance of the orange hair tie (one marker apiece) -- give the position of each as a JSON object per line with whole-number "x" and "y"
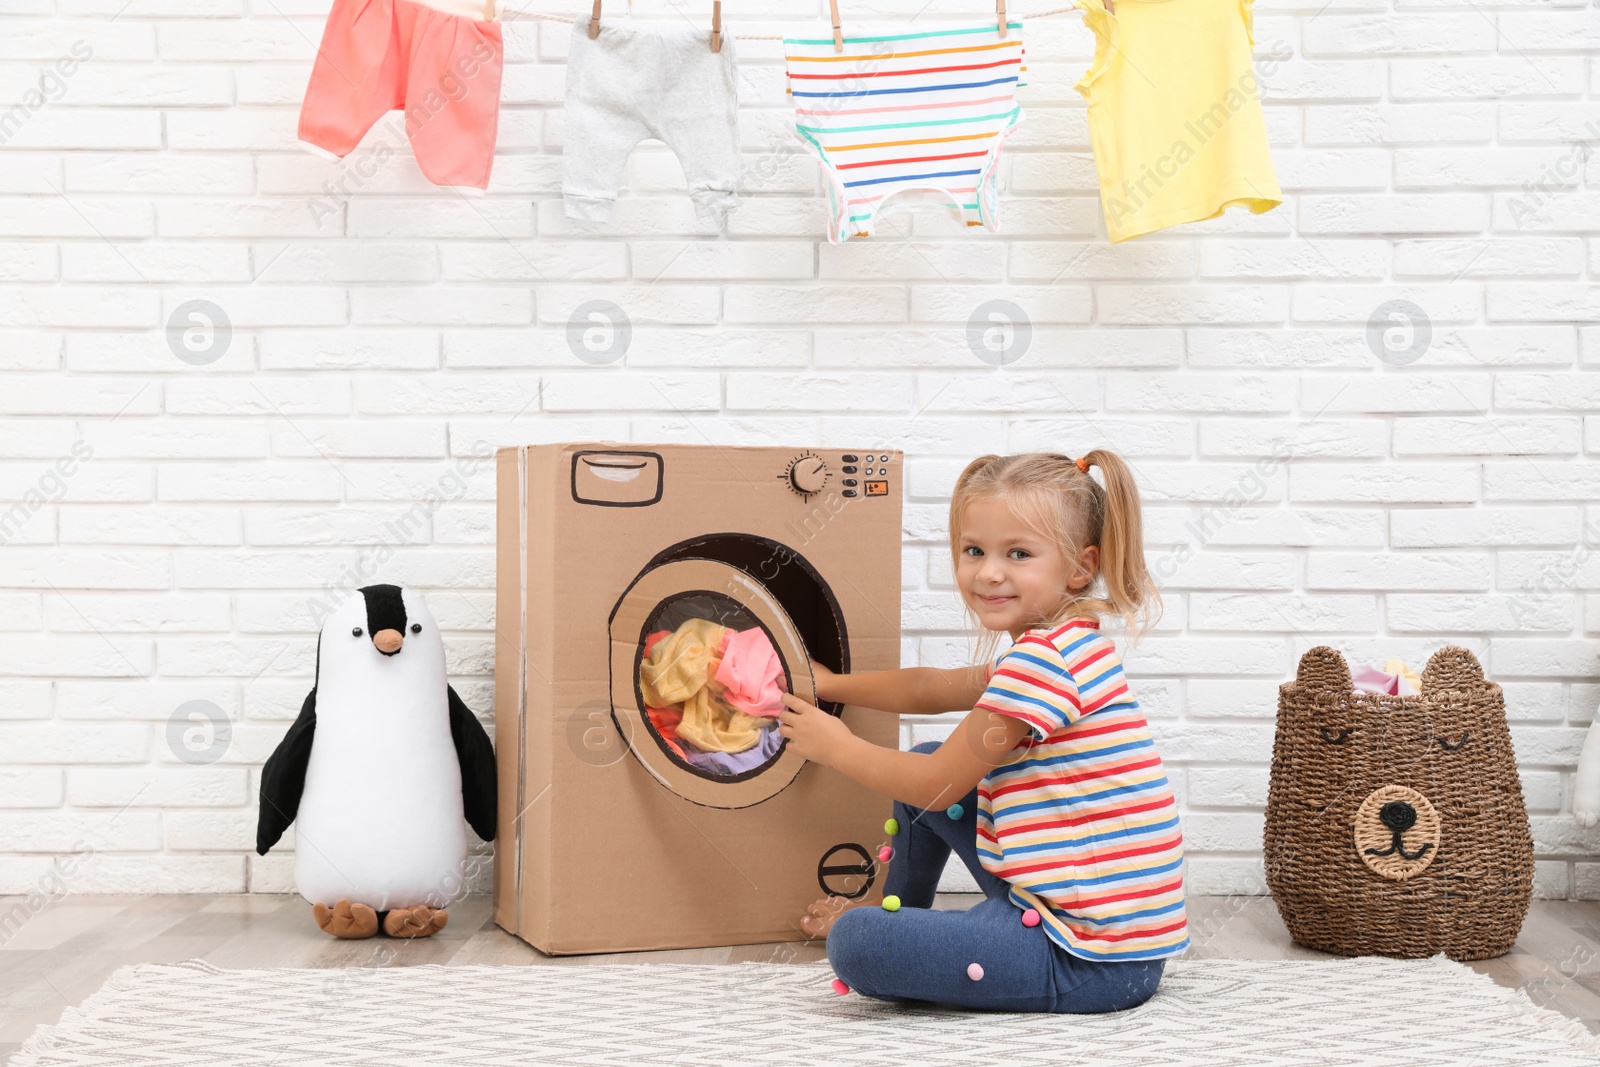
{"x": 1083, "y": 464}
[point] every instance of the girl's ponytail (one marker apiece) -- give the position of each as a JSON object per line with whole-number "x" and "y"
{"x": 1130, "y": 590}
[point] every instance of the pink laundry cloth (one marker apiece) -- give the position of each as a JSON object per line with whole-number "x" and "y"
{"x": 1372, "y": 680}
{"x": 750, "y": 673}
{"x": 438, "y": 60}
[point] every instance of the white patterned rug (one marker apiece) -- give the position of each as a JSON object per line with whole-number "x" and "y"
{"x": 1229, "y": 1013}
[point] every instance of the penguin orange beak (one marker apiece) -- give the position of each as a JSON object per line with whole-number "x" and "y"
{"x": 388, "y": 641}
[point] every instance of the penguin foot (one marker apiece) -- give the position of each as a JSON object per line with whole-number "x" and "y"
{"x": 420, "y": 921}
{"x": 346, "y": 920}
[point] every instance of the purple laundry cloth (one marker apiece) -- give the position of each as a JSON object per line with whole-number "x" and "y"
{"x": 735, "y": 762}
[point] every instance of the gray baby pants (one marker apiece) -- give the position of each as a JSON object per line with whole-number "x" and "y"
{"x": 638, "y": 81}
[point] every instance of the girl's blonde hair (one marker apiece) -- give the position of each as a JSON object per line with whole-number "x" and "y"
{"x": 1057, "y": 498}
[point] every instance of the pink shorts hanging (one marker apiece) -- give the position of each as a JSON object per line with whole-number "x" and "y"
{"x": 440, "y": 61}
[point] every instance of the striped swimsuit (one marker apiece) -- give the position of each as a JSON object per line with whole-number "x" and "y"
{"x": 901, "y": 112}
{"x": 1082, "y": 821}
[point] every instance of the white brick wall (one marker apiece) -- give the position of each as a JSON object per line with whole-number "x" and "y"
{"x": 176, "y": 520}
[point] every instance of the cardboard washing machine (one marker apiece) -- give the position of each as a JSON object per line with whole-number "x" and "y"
{"x": 610, "y": 839}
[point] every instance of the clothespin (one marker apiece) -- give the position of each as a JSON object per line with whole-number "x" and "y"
{"x": 716, "y": 26}
{"x": 838, "y": 37}
{"x": 488, "y": 9}
{"x": 1000, "y": 10}
{"x": 594, "y": 21}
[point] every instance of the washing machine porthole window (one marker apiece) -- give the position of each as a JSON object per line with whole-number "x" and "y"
{"x": 706, "y": 613}
{"x": 745, "y": 578}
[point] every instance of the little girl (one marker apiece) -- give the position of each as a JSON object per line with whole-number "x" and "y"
{"x": 1050, "y": 790}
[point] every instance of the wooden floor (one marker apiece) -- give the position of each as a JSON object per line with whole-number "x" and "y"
{"x": 63, "y": 953}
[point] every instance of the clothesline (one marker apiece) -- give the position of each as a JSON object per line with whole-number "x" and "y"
{"x": 775, "y": 36}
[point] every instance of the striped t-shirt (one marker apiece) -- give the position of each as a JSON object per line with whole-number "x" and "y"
{"x": 1082, "y": 821}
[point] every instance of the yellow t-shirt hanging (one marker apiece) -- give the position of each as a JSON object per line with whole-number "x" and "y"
{"x": 1174, "y": 115}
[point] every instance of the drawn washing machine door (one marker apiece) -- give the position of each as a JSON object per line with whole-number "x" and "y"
{"x": 662, "y": 599}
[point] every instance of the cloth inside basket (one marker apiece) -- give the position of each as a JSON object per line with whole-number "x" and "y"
{"x": 1395, "y": 679}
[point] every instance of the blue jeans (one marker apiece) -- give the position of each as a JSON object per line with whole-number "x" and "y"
{"x": 919, "y": 954}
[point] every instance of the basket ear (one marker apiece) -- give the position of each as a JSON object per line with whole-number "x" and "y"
{"x": 1323, "y": 668}
{"x": 1452, "y": 667}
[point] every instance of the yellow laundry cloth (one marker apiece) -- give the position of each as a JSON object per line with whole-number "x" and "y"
{"x": 681, "y": 672}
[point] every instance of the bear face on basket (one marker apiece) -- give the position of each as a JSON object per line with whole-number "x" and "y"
{"x": 1396, "y": 825}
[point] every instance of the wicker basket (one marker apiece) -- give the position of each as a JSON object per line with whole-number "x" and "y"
{"x": 1396, "y": 825}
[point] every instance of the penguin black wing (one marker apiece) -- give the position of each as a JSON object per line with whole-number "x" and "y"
{"x": 283, "y": 778}
{"x": 475, "y": 753}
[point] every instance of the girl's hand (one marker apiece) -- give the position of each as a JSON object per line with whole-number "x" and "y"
{"x": 824, "y": 677}
{"x": 811, "y": 732}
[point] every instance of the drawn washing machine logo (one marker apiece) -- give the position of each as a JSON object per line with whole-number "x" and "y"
{"x": 699, "y": 594}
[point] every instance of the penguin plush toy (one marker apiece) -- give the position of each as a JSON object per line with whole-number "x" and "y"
{"x": 380, "y": 769}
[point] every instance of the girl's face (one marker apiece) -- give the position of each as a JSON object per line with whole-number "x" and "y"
{"x": 1011, "y": 577}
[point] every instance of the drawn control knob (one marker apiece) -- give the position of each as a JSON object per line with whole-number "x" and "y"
{"x": 808, "y": 474}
